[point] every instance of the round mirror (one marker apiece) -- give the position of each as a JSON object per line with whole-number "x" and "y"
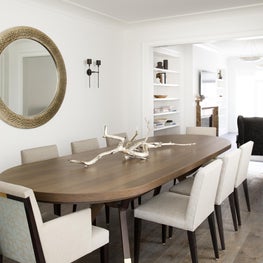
{"x": 32, "y": 77}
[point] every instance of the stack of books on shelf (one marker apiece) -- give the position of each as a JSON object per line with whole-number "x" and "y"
{"x": 164, "y": 109}
{"x": 159, "y": 123}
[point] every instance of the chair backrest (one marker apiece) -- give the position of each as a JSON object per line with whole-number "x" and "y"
{"x": 228, "y": 175}
{"x": 246, "y": 150}
{"x": 39, "y": 154}
{"x": 84, "y": 145}
{"x": 251, "y": 129}
{"x": 20, "y": 219}
{"x": 203, "y": 193}
{"x": 201, "y": 130}
{"x": 113, "y": 142}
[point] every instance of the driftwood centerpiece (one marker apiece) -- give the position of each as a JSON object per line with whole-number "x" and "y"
{"x": 130, "y": 148}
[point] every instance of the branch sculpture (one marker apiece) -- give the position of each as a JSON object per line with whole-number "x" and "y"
{"x": 130, "y": 149}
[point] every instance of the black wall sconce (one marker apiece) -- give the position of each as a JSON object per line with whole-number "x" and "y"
{"x": 219, "y": 74}
{"x": 90, "y": 72}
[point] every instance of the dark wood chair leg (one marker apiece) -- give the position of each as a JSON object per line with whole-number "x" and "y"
{"x": 107, "y": 212}
{"x": 1, "y": 258}
{"x": 192, "y": 246}
{"x": 220, "y": 225}
{"x": 57, "y": 209}
{"x": 246, "y": 195}
{"x": 170, "y": 231}
{"x": 137, "y": 237}
{"x": 233, "y": 211}
{"x": 140, "y": 200}
{"x": 237, "y": 206}
{"x": 74, "y": 208}
{"x": 164, "y": 230}
{"x": 211, "y": 220}
{"x": 104, "y": 254}
{"x": 157, "y": 190}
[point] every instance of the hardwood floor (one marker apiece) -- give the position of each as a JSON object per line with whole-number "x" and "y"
{"x": 243, "y": 246}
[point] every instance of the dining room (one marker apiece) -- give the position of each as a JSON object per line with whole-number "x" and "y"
{"x": 103, "y": 65}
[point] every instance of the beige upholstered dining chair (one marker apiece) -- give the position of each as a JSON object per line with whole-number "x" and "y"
{"x": 210, "y": 131}
{"x": 182, "y": 211}
{"x": 241, "y": 178}
{"x": 41, "y": 154}
{"x": 84, "y": 145}
{"x": 112, "y": 142}
{"x": 225, "y": 189}
{"x": 201, "y": 130}
{"x": 25, "y": 238}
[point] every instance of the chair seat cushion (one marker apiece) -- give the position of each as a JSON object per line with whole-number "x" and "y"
{"x": 100, "y": 237}
{"x": 166, "y": 208}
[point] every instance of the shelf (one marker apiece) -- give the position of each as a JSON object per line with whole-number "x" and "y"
{"x": 165, "y": 113}
{"x": 166, "y": 82}
{"x": 166, "y": 70}
{"x": 166, "y": 127}
{"x": 165, "y": 85}
{"x": 166, "y": 99}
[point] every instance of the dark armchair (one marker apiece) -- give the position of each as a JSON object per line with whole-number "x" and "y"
{"x": 251, "y": 129}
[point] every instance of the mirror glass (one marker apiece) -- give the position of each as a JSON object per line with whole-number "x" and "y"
{"x": 32, "y": 77}
{"x": 29, "y": 77}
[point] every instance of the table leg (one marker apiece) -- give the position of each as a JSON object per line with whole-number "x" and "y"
{"x": 123, "y": 206}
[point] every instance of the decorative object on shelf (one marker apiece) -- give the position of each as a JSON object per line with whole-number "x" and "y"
{"x": 130, "y": 149}
{"x": 162, "y": 77}
{"x": 159, "y": 65}
{"x": 165, "y": 63}
{"x": 160, "y": 96}
{"x": 90, "y": 72}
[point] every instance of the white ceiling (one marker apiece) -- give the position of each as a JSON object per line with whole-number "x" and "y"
{"x": 132, "y": 11}
{"x": 238, "y": 47}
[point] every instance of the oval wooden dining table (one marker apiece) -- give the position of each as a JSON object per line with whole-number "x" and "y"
{"x": 113, "y": 179}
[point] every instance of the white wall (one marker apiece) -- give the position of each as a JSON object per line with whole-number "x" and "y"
{"x": 245, "y": 81}
{"x": 84, "y": 111}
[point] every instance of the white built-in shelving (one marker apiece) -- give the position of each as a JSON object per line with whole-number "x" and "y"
{"x": 166, "y": 82}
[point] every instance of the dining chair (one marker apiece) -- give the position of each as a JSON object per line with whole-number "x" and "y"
{"x": 210, "y": 131}
{"x": 110, "y": 142}
{"x": 182, "y": 211}
{"x": 25, "y": 238}
{"x": 241, "y": 177}
{"x": 41, "y": 154}
{"x": 225, "y": 190}
{"x": 84, "y": 145}
{"x": 201, "y": 130}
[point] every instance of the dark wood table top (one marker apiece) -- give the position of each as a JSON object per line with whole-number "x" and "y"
{"x": 113, "y": 178}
